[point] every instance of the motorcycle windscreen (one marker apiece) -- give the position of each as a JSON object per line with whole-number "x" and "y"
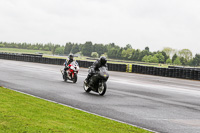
{"x": 74, "y": 63}
{"x": 103, "y": 73}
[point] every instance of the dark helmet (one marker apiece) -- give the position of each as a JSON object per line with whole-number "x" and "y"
{"x": 103, "y": 60}
{"x": 71, "y": 56}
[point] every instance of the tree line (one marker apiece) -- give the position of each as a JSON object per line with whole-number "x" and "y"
{"x": 113, "y": 51}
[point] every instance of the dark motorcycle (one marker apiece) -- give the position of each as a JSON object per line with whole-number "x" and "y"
{"x": 97, "y": 82}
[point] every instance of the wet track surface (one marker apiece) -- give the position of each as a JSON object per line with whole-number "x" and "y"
{"x": 157, "y": 103}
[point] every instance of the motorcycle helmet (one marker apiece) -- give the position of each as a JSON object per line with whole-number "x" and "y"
{"x": 103, "y": 60}
{"x": 71, "y": 56}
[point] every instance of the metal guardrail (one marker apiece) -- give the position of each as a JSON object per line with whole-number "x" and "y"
{"x": 56, "y": 61}
{"x": 185, "y": 73}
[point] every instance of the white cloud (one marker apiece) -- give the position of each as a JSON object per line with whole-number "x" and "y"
{"x": 155, "y": 23}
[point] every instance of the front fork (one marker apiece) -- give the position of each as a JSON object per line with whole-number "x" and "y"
{"x": 101, "y": 84}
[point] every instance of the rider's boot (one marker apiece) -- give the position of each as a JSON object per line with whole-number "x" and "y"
{"x": 65, "y": 74}
{"x": 88, "y": 78}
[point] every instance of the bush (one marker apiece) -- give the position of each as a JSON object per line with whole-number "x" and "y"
{"x": 169, "y": 61}
{"x": 95, "y": 55}
{"x": 35, "y": 48}
{"x": 46, "y": 49}
{"x": 177, "y": 61}
{"x": 2, "y": 45}
{"x": 154, "y": 59}
{"x": 59, "y": 51}
{"x": 145, "y": 58}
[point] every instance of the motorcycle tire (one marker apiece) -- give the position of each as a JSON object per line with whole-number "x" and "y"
{"x": 86, "y": 88}
{"x": 102, "y": 89}
{"x": 75, "y": 78}
{"x": 65, "y": 77}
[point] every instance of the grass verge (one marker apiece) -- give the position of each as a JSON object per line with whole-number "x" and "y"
{"x": 22, "y": 113}
{"x": 16, "y": 50}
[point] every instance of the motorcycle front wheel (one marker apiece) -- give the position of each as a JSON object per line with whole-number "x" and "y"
{"x": 65, "y": 77}
{"x": 86, "y": 88}
{"x": 75, "y": 78}
{"x": 102, "y": 89}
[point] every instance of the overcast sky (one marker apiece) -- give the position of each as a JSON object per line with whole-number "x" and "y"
{"x": 153, "y": 23}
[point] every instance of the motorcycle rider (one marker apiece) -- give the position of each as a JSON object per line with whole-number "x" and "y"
{"x": 69, "y": 61}
{"x": 102, "y": 61}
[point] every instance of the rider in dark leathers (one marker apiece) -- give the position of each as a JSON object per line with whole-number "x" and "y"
{"x": 95, "y": 67}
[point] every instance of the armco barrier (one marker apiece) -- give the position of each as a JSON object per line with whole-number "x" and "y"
{"x": 175, "y": 72}
{"x": 196, "y": 74}
{"x": 198, "y": 77}
{"x": 188, "y": 72}
{"x": 117, "y": 67}
{"x": 31, "y": 58}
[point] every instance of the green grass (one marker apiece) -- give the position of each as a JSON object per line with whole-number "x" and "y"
{"x": 16, "y": 50}
{"x": 20, "y": 113}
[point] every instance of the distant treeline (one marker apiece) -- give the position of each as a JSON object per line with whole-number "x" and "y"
{"x": 167, "y": 55}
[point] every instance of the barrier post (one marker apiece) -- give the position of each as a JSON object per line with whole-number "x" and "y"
{"x": 129, "y": 68}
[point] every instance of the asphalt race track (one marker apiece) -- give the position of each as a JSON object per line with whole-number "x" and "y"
{"x": 157, "y": 103}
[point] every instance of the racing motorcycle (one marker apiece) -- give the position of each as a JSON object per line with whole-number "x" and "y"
{"x": 97, "y": 82}
{"x": 71, "y": 73}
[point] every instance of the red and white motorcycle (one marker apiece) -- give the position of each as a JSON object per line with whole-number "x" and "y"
{"x": 71, "y": 73}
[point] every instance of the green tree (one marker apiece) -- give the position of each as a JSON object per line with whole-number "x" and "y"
{"x": 119, "y": 53}
{"x": 123, "y": 54}
{"x": 35, "y": 48}
{"x": 127, "y": 54}
{"x": 196, "y": 60}
{"x": 99, "y": 48}
{"x": 45, "y": 48}
{"x": 54, "y": 49}
{"x": 128, "y": 46}
{"x": 185, "y": 53}
{"x": 169, "y": 51}
{"x": 136, "y": 55}
{"x": 174, "y": 57}
{"x": 112, "y": 53}
{"x": 183, "y": 61}
{"x": 75, "y": 49}
{"x": 177, "y": 61}
{"x": 165, "y": 56}
{"x": 95, "y": 55}
{"x": 145, "y": 58}
{"x": 2, "y": 45}
{"x": 87, "y": 49}
{"x": 142, "y": 54}
{"x": 154, "y": 59}
{"x": 59, "y": 51}
{"x": 169, "y": 61}
{"x": 68, "y": 48}
{"x": 160, "y": 57}
{"x": 147, "y": 49}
